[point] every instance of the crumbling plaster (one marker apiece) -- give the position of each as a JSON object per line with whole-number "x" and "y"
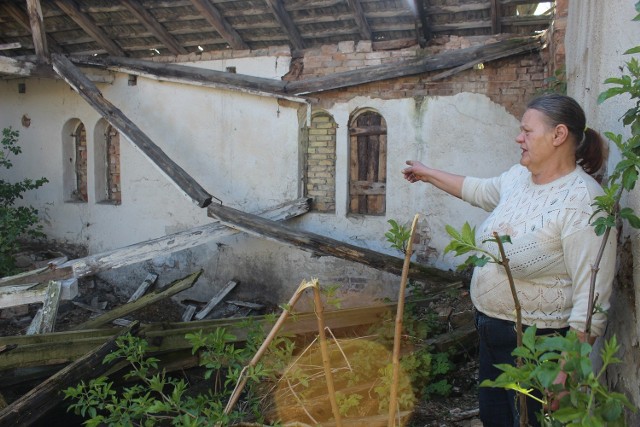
{"x": 598, "y": 33}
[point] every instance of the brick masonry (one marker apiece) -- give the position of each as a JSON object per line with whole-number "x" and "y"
{"x": 320, "y": 167}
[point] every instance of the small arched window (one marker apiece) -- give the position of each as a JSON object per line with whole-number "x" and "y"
{"x": 367, "y": 163}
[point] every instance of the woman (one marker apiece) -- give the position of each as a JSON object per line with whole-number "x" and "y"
{"x": 544, "y": 204}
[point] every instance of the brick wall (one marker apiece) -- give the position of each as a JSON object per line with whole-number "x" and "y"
{"x": 510, "y": 82}
{"x": 320, "y": 167}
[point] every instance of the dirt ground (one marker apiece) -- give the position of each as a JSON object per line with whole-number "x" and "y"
{"x": 459, "y": 409}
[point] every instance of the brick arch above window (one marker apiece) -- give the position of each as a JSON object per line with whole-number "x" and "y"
{"x": 367, "y": 163}
{"x": 320, "y": 162}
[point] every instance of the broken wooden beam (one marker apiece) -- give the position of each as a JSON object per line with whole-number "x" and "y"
{"x": 217, "y": 298}
{"x": 320, "y": 245}
{"x": 123, "y": 310}
{"x": 37, "y": 402}
{"x": 87, "y": 90}
{"x": 50, "y": 306}
{"x": 143, "y": 251}
{"x": 32, "y": 293}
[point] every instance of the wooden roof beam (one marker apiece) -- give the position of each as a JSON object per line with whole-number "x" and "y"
{"x": 37, "y": 30}
{"x": 282, "y": 16}
{"x": 361, "y": 19}
{"x": 154, "y": 26}
{"x": 18, "y": 15}
{"x": 423, "y": 31}
{"x": 213, "y": 16}
{"x": 442, "y": 61}
{"x": 496, "y": 28}
{"x": 88, "y": 25}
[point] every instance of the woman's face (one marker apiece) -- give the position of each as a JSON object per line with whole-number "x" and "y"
{"x": 536, "y": 140}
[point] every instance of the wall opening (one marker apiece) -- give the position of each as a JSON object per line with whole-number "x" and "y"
{"x": 367, "y": 163}
{"x": 107, "y": 164}
{"x": 75, "y": 161}
{"x": 320, "y": 164}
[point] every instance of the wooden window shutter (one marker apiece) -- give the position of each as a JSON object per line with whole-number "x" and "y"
{"x": 368, "y": 164}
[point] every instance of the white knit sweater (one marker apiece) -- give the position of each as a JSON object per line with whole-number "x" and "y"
{"x": 552, "y": 251}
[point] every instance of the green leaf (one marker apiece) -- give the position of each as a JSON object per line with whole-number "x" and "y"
{"x": 633, "y": 50}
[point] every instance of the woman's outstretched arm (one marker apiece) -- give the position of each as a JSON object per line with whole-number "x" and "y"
{"x": 445, "y": 181}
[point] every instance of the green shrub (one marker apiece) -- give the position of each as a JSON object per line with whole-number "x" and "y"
{"x": 16, "y": 222}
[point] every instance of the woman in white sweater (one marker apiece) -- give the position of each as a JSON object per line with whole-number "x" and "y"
{"x": 545, "y": 205}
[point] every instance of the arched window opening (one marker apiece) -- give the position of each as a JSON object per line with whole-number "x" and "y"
{"x": 367, "y": 163}
{"x": 113, "y": 191}
{"x": 79, "y": 164}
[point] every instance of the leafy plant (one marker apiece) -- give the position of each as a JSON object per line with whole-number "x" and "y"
{"x": 16, "y": 222}
{"x": 156, "y": 398}
{"x": 398, "y": 236}
{"x": 585, "y": 400}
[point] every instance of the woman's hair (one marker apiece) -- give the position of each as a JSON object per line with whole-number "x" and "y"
{"x": 564, "y": 110}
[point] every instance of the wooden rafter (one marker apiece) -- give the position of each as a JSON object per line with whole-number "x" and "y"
{"x": 495, "y": 17}
{"x": 37, "y": 30}
{"x": 422, "y": 24}
{"x": 152, "y": 24}
{"x": 88, "y": 25}
{"x": 213, "y": 16}
{"x": 285, "y": 21}
{"x": 441, "y": 61}
{"x": 361, "y": 19}
{"x": 21, "y": 17}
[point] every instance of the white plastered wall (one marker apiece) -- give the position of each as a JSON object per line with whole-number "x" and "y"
{"x": 244, "y": 150}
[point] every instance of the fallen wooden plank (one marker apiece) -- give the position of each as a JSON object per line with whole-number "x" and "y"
{"x": 216, "y": 299}
{"x": 123, "y": 310}
{"x": 38, "y": 275}
{"x": 148, "y": 281}
{"x": 143, "y": 251}
{"x": 320, "y": 245}
{"x": 59, "y": 347}
{"x": 37, "y": 402}
{"x": 188, "y": 313}
{"x": 50, "y": 306}
{"x": 11, "y": 296}
{"x": 81, "y": 84}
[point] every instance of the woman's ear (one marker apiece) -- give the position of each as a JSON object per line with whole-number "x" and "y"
{"x": 560, "y": 135}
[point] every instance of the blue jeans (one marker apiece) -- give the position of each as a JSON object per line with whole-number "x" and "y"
{"x": 499, "y": 407}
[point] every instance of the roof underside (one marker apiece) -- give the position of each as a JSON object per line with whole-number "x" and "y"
{"x": 146, "y": 28}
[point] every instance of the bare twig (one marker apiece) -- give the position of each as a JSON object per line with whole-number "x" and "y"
{"x": 393, "y": 397}
{"x": 522, "y": 399}
{"x": 325, "y": 354}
